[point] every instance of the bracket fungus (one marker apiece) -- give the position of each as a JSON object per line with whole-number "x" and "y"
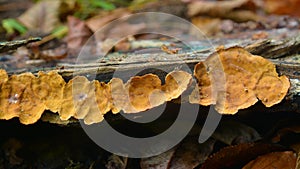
{"x": 19, "y": 100}
{"x": 234, "y": 79}
{"x": 49, "y": 87}
{"x": 231, "y": 79}
{"x": 141, "y": 93}
{"x": 144, "y": 93}
{"x": 27, "y": 96}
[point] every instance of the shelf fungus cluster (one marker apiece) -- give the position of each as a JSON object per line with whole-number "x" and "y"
{"x": 27, "y": 96}
{"x": 231, "y": 79}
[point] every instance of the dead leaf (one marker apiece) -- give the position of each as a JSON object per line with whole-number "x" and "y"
{"x": 42, "y": 17}
{"x": 238, "y": 155}
{"x": 284, "y": 131}
{"x": 223, "y": 9}
{"x": 158, "y": 162}
{"x": 233, "y": 132}
{"x": 98, "y": 21}
{"x": 260, "y": 35}
{"x": 116, "y": 162}
{"x": 207, "y": 25}
{"x": 116, "y": 30}
{"x": 49, "y": 55}
{"x": 216, "y": 8}
{"x": 282, "y": 160}
{"x": 78, "y": 34}
{"x": 191, "y": 154}
{"x": 287, "y": 7}
{"x": 169, "y": 50}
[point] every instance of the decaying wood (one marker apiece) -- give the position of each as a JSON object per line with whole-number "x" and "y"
{"x": 284, "y": 57}
{"x": 7, "y": 46}
{"x": 283, "y": 53}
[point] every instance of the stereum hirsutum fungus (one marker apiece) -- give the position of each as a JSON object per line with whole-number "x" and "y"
{"x": 231, "y": 79}
{"x": 27, "y": 96}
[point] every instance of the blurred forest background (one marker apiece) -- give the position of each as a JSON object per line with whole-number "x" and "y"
{"x": 64, "y": 26}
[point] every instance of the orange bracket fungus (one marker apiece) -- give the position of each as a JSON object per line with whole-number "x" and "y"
{"x": 144, "y": 92}
{"x": 27, "y": 96}
{"x": 234, "y": 79}
{"x": 19, "y": 100}
{"x": 231, "y": 79}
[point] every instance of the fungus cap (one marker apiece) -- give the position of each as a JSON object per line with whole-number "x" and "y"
{"x": 234, "y": 79}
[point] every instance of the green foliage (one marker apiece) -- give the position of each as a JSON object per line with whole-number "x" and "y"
{"x": 90, "y": 7}
{"x": 138, "y": 4}
{"x": 103, "y": 4}
{"x": 12, "y": 25}
{"x": 60, "y": 31}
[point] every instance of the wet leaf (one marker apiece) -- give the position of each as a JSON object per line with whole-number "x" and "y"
{"x": 282, "y": 160}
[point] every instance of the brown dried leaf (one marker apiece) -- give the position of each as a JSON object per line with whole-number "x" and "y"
{"x": 282, "y": 160}
{"x": 238, "y": 155}
{"x": 219, "y": 8}
{"x": 97, "y": 22}
{"x": 42, "y": 17}
{"x": 53, "y": 54}
{"x": 78, "y": 34}
{"x": 224, "y": 9}
{"x": 287, "y": 7}
{"x": 169, "y": 50}
{"x": 207, "y": 25}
